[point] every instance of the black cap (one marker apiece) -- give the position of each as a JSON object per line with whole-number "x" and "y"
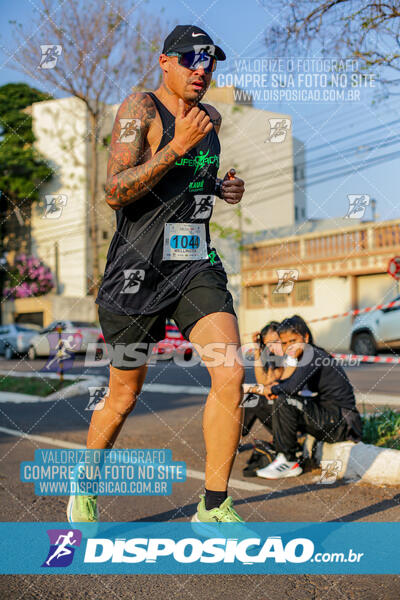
{"x": 188, "y": 37}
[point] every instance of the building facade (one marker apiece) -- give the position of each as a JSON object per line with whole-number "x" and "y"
{"x": 341, "y": 266}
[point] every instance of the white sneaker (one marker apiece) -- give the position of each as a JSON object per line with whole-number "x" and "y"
{"x": 279, "y": 468}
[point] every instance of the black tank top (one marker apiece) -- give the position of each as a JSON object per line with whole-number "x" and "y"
{"x": 139, "y": 277}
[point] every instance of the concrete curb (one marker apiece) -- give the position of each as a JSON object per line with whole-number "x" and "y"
{"x": 362, "y": 462}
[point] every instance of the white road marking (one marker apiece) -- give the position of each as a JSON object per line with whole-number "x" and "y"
{"x": 167, "y": 388}
{"x": 41, "y": 438}
{"x": 236, "y": 483}
{"x": 194, "y": 390}
{"x": 191, "y": 473}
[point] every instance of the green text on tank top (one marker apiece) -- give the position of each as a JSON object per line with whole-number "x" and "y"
{"x": 164, "y": 236}
{"x": 184, "y": 195}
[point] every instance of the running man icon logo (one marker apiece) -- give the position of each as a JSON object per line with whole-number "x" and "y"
{"x": 133, "y": 279}
{"x": 330, "y": 471}
{"x": 250, "y": 401}
{"x": 286, "y": 280}
{"x": 203, "y": 207}
{"x": 62, "y": 547}
{"x": 207, "y": 48}
{"x": 278, "y": 129}
{"x": 128, "y": 130}
{"x": 357, "y": 205}
{"x": 62, "y": 350}
{"x": 97, "y": 397}
{"x": 54, "y": 206}
{"x": 50, "y": 54}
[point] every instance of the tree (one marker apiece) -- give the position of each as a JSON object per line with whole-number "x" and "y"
{"x": 99, "y": 55}
{"x": 23, "y": 168}
{"x": 366, "y": 31}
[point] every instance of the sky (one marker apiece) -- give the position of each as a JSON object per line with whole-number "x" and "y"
{"x": 239, "y": 27}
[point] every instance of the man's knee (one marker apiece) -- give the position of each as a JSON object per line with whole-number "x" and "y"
{"x": 122, "y": 402}
{"x": 124, "y": 389}
{"x": 228, "y": 381}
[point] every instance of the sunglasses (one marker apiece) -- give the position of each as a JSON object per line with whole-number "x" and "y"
{"x": 193, "y": 60}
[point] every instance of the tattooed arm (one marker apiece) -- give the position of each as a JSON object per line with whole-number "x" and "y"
{"x": 129, "y": 175}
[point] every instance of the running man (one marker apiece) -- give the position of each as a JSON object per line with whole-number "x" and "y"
{"x": 160, "y": 263}
{"x": 62, "y": 546}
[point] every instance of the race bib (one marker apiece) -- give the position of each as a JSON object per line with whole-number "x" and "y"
{"x": 185, "y": 241}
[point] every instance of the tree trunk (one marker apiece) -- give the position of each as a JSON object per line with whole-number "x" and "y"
{"x": 95, "y": 274}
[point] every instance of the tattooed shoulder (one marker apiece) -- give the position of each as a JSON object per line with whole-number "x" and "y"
{"x": 137, "y": 105}
{"x": 128, "y": 140}
{"x": 134, "y": 116}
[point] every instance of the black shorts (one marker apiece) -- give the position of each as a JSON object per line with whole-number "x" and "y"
{"x": 206, "y": 293}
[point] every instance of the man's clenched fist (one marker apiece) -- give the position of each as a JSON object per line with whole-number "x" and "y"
{"x": 232, "y": 187}
{"x": 190, "y": 127}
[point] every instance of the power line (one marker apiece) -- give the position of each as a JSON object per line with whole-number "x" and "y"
{"x": 371, "y": 163}
{"x": 341, "y": 154}
{"x": 347, "y": 137}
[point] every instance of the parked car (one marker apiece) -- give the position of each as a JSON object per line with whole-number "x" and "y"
{"x": 173, "y": 343}
{"x": 376, "y": 330}
{"x": 82, "y": 333}
{"x": 15, "y": 339}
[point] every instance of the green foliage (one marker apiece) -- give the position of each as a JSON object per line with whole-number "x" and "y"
{"x": 106, "y": 141}
{"x": 23, "y": 169}
{"x": 225, "y": 232}
{"x": 382, "y": 429}
{"x": 37, "y": 386}
{"x": 13, "y": 98}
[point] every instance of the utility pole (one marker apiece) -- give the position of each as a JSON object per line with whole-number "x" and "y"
{"x": 57, "y": 267}
{"x": 373, "y": 208}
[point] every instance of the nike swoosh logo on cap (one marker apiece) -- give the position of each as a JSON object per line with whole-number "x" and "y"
{"x": 197, "y": 34}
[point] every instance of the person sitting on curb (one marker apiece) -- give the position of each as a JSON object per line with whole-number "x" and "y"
{"x": 267, "y": 369}
{"x": 268, "y": 356}
{"x": 314, "y": 396}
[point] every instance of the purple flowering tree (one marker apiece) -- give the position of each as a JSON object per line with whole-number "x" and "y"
{"x": 28, "y": 277}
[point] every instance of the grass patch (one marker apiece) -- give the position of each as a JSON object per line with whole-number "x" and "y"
{"x": 37, "y": 386}
{"x": 382, "y": 429}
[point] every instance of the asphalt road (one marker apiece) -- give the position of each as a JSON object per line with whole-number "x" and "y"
{"x": 173, "y": 421}
{"x": 370, "y": 381}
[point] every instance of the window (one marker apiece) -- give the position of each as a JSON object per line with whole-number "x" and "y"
{"x": 302, "y": 292}
{"x": 277, "y": 299}
{"x": 29, "y": 319}
{"x": 255, "y": 296}
{"x": 298, "y": 173}
{"x": 105, "y": 235}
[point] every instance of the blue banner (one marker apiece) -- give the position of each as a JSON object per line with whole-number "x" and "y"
{"x": 199, "y": 548}
{"x": 129, "y": 472}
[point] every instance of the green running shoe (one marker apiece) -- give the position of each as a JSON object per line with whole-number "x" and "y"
{"x": 82, "y": 509}
{"x": 220, "y": 522}
{"x": 82, "y": 512}
{"x": 225, "y": 513}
